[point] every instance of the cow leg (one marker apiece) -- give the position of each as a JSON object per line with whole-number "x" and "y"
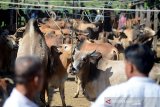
{"x": 78, "y": 88}
{"x": 61, "y": 90}
{"x": 76, "y": 79}
{"x": 44, "y": 95}
{"x": 47, "y": 97}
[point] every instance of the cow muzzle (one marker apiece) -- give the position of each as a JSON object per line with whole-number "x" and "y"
{"x": 72, "y": 70}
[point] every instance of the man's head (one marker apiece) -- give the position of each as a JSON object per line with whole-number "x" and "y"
{"x": 139, "y": 60}
{"x": 28, "y": 72}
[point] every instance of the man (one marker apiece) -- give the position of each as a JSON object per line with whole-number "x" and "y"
{"x": 29, "y": 80}
{"x": 122, "y": 21}
{"x": 139, "y": 90}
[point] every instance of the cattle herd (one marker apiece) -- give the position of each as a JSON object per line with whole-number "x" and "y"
{"x": 73, "y": 47}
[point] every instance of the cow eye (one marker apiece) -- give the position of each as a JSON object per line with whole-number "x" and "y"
{"x": 84, "y": 59}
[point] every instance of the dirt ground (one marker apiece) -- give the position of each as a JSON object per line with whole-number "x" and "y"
{"x": 70, "y": 89}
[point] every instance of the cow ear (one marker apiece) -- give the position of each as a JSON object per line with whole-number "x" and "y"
{"x": 54, "y": 50}
{"x": 95, "y": 57}
{"x": 8, "y": 80}
{"x": 148, "y": 42}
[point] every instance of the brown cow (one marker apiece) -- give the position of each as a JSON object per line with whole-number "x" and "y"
{"x": 45, "y": 29}
{"x": 82, "y": 26}
{"x": 96, "y": 74}
{"x": 62, "y": 58}
{"x": 6, "y": 85}
{"x": 52, "y": 39}
{"x": 132, "y": 22}
{"x": 7, "y": 46}
{"x": 56, "y": 24}
{"x": 107, "y": 50}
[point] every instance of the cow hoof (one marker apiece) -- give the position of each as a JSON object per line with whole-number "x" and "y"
{"x": 47, "y": 105}
{"x": 75, "y": 96}
{"x": 64, "y": 105}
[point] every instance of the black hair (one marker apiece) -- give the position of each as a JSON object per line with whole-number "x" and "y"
{"x": 26, "y": 68}
{"x": 141, "y": 56}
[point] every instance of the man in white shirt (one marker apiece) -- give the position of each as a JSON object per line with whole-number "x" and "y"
{"x": 29, "y": 80}
{"x": 139, "y": 90}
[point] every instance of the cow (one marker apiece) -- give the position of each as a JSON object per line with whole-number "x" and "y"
{"x": 55, "y": 36}
{"x": 6, "y": 85}
{"x": 46, "y": 29}
{"x": 129, "y": 36}
{"x": 107, "y": 50}
{"x": 96, "y": 74}
{"x": 132, "y": 22}
{"x": 33, "y": 43}
{"x": 81, "y": 25}
{"x": 8, "y": 46}
{"x": 91, "y": 30}
{"x": 56, "y": 24}
{"x": 61, "y": 59}
{"x": 92, "y": 75}
{"x": 52, "y": 39}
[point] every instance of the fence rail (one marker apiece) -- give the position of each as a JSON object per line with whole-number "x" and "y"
{"x": 76, "y": 8}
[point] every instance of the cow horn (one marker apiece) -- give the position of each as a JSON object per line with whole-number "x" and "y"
{"x": 92, "y": 52}
{"x": 86, "y": 34}
{"x": 114, "y": 30}
{"x": 96, "y": 29}
{"x": 10, "y": 80}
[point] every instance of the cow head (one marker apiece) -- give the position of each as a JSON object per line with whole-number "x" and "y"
{"x": 6, "y": 86}
{"x": 82, "y": 60}
{"x": 149, "y": 32}
{"x": 146, "y": 34}
{"x": 66, "y": 49}
{"x": 55, "y": 52}
{"x": 10, "y": 41}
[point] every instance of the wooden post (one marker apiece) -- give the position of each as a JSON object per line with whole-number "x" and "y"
{"x": 137, "y": 12}
{"x": 155, "y": 20}
{"x": 11, "y": 17}
{"x": 141, "y": 15}
{"x": 155, "y": 29}
{"x": 148, "y": 22}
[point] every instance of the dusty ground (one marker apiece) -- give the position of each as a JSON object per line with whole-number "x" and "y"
{"x": 70, "y": 89}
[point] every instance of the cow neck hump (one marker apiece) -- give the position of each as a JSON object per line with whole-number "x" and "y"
{"x": 88, "y": 77}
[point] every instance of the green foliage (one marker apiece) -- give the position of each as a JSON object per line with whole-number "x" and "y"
{"x": 116, "y": 4}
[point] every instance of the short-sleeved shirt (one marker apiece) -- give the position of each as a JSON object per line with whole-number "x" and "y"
{"x": 16, "y": 99}
{"x": 136, "y": 92}
{"x": 122, "y": 22}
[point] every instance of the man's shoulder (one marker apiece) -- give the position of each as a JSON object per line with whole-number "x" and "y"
{"x": 10, "y": 102}
{"x": 153, "y": 87}
{"x": 18, "y": 100}
{"x": 116, "y": 89}
{"x": 16, "y": 103}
